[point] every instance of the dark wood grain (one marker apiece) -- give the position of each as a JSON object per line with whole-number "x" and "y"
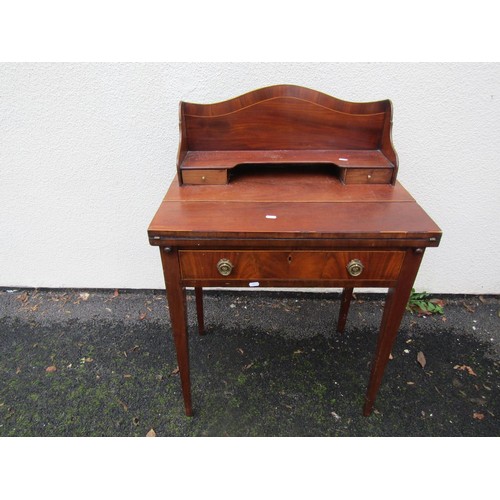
{"x": 289, "y": 185}
{"x": 366, "y": 176}
{"x": 322, "y": 220}
{"x": 317, "y": 184}
{"x": 342, "y": 157}
{"x": 293, "y": 265}
{"x": 205, "y": 176}
{"x": 198, "y": 292}
{"x": 394, "y": 309}
{"x": 218, "y": 167}
{"x": 280, "y": 91}
{"x": 345, "y": 302}
{"x": 178, "y": 318}
{"x": 285, "y": 124}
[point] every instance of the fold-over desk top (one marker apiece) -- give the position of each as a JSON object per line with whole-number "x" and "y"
{"x": 283, "y": 203}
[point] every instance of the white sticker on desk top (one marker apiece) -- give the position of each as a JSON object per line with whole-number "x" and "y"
{"x": 254, "y": 283}
{"x": 271, "y": 216}
{"x": 343, "y": 159}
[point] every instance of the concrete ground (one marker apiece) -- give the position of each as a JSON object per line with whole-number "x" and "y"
{"x": 102, "y": 363}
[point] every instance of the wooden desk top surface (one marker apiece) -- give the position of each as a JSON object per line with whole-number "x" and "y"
{"x": 285, "y": 204}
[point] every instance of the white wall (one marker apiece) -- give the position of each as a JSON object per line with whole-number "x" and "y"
{"x": 88, "y": 150}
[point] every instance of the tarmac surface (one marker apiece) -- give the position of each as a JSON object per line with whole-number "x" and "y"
{"x": 102, "y": 363}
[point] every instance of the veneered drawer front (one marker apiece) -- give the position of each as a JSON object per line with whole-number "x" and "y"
{"x": 214, "y": 176}
{"x": 282, "y": 265}
{"x": 368, "y": 176}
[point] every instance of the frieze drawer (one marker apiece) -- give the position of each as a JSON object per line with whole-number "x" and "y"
{"x": 283, "y": 265}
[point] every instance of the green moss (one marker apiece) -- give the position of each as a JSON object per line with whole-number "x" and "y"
{"x": 319, "y": 390}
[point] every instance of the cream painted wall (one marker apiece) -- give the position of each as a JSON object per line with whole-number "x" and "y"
{"x": 87, "y": 151}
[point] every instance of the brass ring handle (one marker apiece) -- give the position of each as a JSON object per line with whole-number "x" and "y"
{"x": 355, "y": 267}
{"x": 224, "y": 266}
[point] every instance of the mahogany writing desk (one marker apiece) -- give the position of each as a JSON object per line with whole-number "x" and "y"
{"x": 289, "y": 187}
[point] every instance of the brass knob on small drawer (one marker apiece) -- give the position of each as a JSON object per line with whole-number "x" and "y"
{"x": 224, "y": 266}
{"x": 355, "y": 267}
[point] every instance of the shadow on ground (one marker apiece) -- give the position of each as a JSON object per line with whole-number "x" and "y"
{"x": 98, "y": 363}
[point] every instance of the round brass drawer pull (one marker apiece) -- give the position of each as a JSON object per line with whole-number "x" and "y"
{"x": 355, "y": 267}
{"x": 224, "y": 266}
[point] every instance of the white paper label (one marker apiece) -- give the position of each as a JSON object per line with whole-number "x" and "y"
{"x": 271, "y": 217}
{"x": 254, "y": 283}
{"x": 343, "y": 159}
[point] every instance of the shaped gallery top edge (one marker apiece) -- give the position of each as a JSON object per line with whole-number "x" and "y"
{"x": 285, "y": 91}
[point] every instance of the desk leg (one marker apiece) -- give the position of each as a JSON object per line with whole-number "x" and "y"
{"x": 345, "y": 302}
{"x": 198, "y": 293}
{"x": 176, "y": 297}
{"x": 394, "y": 309}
